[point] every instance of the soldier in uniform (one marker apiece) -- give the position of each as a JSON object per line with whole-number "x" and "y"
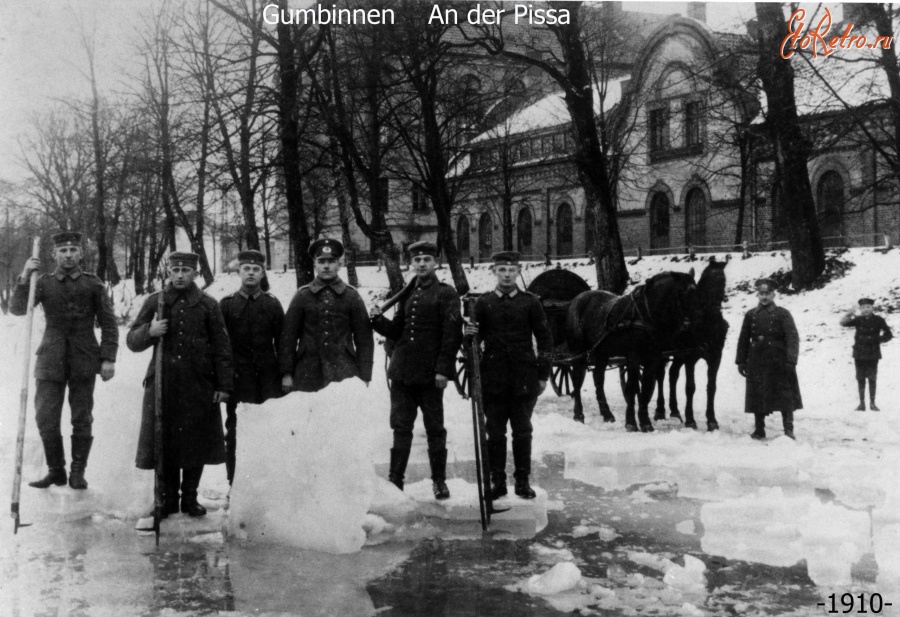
{"x": 253, "y": 319}
{"x": 69, "y": 354}
{"x": 427, "y": 328}
{"x": 767, "y": 353}
{"x": 327, "y": 336}
{"x": 871, "y": 331}
{"x": 197, "y": 377}
{"x": 512, "y": 376}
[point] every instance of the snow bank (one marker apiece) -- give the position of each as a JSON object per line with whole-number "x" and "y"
{"x": 561, "y": 577}
{"x": 304, "y": 475}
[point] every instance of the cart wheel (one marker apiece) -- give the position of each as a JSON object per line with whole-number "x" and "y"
{"x": 462, "y": 377}
{"x": 561, "y": 379}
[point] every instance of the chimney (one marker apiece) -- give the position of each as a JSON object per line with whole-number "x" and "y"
{"x": 697, "y": 10}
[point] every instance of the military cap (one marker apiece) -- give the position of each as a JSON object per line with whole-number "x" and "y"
{"x": 766, "y": 285}
{"x": 66, "y": 238}
{"x": 422, "y": 247}
{"x": 252, "y": 257}
{"x": 506, "y": 258}
{"x": 867, "y": 301}
{"x": 326, "y": 247}
{"x": 189, "y": 260}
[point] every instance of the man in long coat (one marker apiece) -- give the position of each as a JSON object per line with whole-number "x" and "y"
{"x": 253, "y": 319}
{"x": 767, "y": 353}
{"x": 512, "y": 376}
{"x": 69, "y": 354}
{"x": 197, "y": 376}
{"x": 327, "y": 336}
{"x": 427, "y": 328}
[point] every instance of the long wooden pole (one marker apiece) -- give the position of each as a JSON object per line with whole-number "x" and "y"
{"x": 157, "y": 408}
{"x": 23, "y": 400}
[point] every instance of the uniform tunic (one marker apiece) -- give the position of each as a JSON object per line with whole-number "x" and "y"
{"x": 769, "y": 346}
{"x": 327, "y": 336}
{"x": 254, "y": 325}
{"x": 69, "y": 353}
{"x": 871, "y": 332}
{"x": 196, "y": 364}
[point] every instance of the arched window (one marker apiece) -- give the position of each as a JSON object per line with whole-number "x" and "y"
{"x": 485, "y": 237}
{"x": 462, "y": 236}
{"x": 779, "y": 218}
{"x": 564, "y": 230}
{"x": 659, "y": 221}
{"x": 695, "y": 218}
{"x": 523, "y": 233}
{"x": 830, "y": 202}
{"x": 588, "y": 228}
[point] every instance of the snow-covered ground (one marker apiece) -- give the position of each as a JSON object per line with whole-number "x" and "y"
{"x": 829, "y": 501}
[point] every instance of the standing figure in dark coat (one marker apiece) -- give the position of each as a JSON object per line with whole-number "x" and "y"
{"x": 69, "y": 354}
{"x": 253, "y": 319}
{"x": 511, "y": 376}
{"x": 197, "y": 376}
{"x": 871, "y": 332}
{"x": 427, "y": 328}
{"x": 767, "y": 353}
{"x": 327, "y": 336}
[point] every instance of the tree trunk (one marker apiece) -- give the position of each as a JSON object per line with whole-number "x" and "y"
{"x": 290, "y": 154}
{"x": 790, "y": 148}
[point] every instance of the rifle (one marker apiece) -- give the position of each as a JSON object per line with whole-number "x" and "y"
{"x": 399, "y": 295}
{"x": 157, "y": 409}
{"x": 482, "y": 462}
{"x": 23, "y": 400}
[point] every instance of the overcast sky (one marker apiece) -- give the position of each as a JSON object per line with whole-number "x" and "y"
{"x": 41, "y": 57}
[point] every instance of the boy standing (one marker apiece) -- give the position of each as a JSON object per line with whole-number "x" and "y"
{"x": 871, "y": 332}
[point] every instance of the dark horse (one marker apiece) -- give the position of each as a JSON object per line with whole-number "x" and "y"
{"x": 705, "y": 341}
{"x": 637, "y": 327}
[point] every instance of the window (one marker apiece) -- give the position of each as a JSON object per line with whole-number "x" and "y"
{"x": 462, "y": 236}
{"x": 485, "y": 237}
{"x": 659, "y": 221}
{"x": 384, "y": 190}
{"x": 472, "y": 107}
{"x": 692, "y": 124}
{"x": 659, "y": 129}
{"x": 419, "y": 198}
{"x": 779, "y": 217}
{"x": 523, "y": 233}
{"x": 830, "y": 205}
{"x": 564, "y": 230}
{"x": 695, "y": 219}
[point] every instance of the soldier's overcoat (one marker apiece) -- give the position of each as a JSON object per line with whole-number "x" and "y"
{"x": 72, "y": 302}
{"x": 769, "y": 346}
{"x": 254, "y": 326}
{"x": 196, "y": 363}
{"x": 427, "y": 328}
{"x": 506, "y": 324}
{"x": 327, "y": 336}
{"x": 871, "y": 332}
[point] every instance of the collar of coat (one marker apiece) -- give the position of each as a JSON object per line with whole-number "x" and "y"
{"x": 511, "y": 294}
{"x": 247, "y": 296}
{"x": 428, "y": 282}
{"x": 192, "y": 294}
{"x": 337, "y": 285}
{"x": 760, "y": 307}
{"x": 73, "y": 274}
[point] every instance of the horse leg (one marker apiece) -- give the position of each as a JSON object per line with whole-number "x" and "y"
{"x": 661, "y": 397}
{"x": 690, "y": 387}
{"x": 647, "y": 382}
{"x": 674, "y": 374}
{"x": 712, "y": 371}
{"x": 632, "y": 388}
{"x": 599, "y": 382}
{"x": 578, "y": 373}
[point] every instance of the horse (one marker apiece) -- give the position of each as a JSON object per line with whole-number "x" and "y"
{"x": 705, "y": 341}
{"x": 639, "y": 327}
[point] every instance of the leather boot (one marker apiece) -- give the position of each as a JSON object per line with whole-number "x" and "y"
{"x": 399, "y": 458}
{"x": 787, "y": 420}
{"x": 522, "y": 461}
{"x": 760, "y": 432}
{"x": 81, "y": 447}
{"x": 872, "y": 387}
{"x": 497, "y": 460}
{"x": 862, "y": 395}
{"x": 190, "y": 480}
{"x": 438, "y": 461}
{"x": 55, "y": 454}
